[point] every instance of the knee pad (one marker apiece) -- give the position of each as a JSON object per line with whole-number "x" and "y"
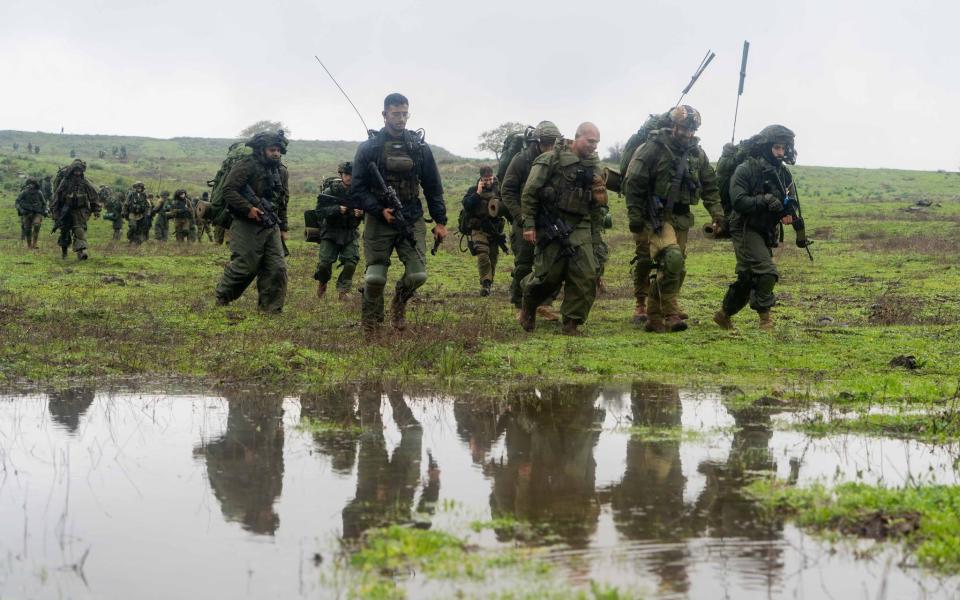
{"x": 672, "y": 261}
{"x": 375, "y": 276}
{"x": 416, "y": 279}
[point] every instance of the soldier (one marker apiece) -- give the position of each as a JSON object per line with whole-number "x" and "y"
{"x": 405, "y": 162}
{"x": 161, "y": 225}
{"x": 339, "y": 234}
{"x": 32, "y": 208}
{"x": 668, "y": 174}
{"x": 148, "y": 223}
{"x": 46, "y": 187}
{"x": 73, "y": 202}
{"x": 761, "y": 191}
{"x": 136, "y": 211}
{"x": 180, "y": 209}
{"x": 560, "y": 205}
{"x": 200, "y": 210}
{"x": 114, "y": 206}
{"x": 256, "y": 191}
{"x": 543, "y": 139}
{"x": 483, "y": 219}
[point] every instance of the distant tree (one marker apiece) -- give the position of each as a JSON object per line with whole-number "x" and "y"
{"x": 262, "y": 126}
{"x": 615, "y": 152}
{"x": 492, "y": 140}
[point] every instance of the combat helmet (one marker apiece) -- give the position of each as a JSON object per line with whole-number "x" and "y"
{"x": 345, "y": 168}
{"x": 685, "y": 116}
{"x": 265, "y": 139}
{"x": 32, "y": 181}
{"x": 545, "y": 130}
{"x": 778, "y": 134}
{"x": 77, "y": 164}
{"x": 138, "y": 185}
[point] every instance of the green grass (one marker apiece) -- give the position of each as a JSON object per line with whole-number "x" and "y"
{"x": 938, "y": 427}
{"x": 925, "y": 519}
{"x": 884, "y": 283}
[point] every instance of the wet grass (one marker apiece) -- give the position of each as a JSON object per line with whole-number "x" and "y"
{"x": 926, "y": 520}
{"x": 884, "y": 283}
{"x": 940, "y": 427}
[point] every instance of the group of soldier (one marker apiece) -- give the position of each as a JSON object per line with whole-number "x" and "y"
{"x": 553, "y": 192}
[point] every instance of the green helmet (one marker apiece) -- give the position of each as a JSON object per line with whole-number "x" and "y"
{"x": 345, "y": 168}
{"x": 77, "y": 164}
{"x": 265, "y": 139}
{"x": 32, "y": 181}
{"x": 546, "y": 130}
{"x": 138, "y": 185}
{"x": 776, "y": 134}
{"x": 685, "y": 116}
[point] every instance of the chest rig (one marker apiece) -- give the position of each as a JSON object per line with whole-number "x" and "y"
{"x": 573, "y": 184}
{"x": 400, "y": 160}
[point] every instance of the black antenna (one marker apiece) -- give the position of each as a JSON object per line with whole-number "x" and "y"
{"x": 743, "y": 75}
{"x": 366, "y": 130}
{"x": 709, "y": 56}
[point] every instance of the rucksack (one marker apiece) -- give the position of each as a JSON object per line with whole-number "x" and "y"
{"x": 512, "y": 145}
{"x": 218, "y": 213}
{"x": 730, "y": 158}
{"x": 653, "y": 123}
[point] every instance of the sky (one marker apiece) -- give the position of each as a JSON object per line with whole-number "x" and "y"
{"x": 863, "y": 84}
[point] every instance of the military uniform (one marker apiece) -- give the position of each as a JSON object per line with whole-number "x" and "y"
{"x": 32, "y": 208}
{"x": 561, "y": 186}
{"x": 181, "y": 211}
{"x": 257, "y": 251}
{"x": 113, "y": 203}
{"x": 339, "y": 238}
{"x": 759, "y": 190}
{"x": 161, "y": 225}
{"x": 648, "y": 180}
{"x": 406, "y": 163}
{"x": 202, "y": 223}
{"x": 136, "y": 211}
{"x": 485, "y": 224}
{"x": 74, "y": 201}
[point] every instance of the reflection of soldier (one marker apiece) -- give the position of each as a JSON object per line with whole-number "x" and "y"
{"x": 339, "y": 443}
{"x": 245, "y": 465}
{"x": 386, "y": 485}
{"x": 67, "y": 406}
{"x": 478, "y": 425}
{"x": 550, "y": 471}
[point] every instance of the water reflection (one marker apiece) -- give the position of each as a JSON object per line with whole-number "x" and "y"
{"x": 67, "y": 406}
{"x": 338, "y": 413}
{"x": 245, "y": 464}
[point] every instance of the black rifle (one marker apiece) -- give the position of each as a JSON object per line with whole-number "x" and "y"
{"x": 66, "y": 211}
{"x": 268, "y": 214}
{"x": 554, "y": 229}
{"x": 400, "y": 223}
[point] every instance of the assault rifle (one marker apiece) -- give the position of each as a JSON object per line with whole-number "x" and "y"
{"x": 65, "y": 212}
{"x": 400, "y": 223}
{"x": 555, "y": 229}
{"x": 791, "y": 208}
{"x": 268, "y": 215}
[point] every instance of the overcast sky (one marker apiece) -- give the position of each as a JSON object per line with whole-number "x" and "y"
{"x": 861, "y": 83}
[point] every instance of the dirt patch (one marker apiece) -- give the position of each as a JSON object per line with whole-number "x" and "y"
{"x": 879, "y": 525}
{"x": 873, "y": 241}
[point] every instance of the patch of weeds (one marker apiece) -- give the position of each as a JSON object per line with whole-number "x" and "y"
{"x": 652, "y": 433}
{"x": 925, "y": 519}
{"x": 936, "y": 427}
{"x": 311, "y": 425}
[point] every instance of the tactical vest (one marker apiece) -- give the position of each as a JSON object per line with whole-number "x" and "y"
{"x": 572, "y": 184}
{"x": 665, "y": 168}
{"x": 76, "y": 195}
{"x": 401, "y": 169}
{"x": 137, "y": 204}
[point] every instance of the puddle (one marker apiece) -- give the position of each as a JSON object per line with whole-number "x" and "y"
{"x": 123, "y": 495}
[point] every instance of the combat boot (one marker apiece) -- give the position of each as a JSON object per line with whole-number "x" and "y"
{"x": 344, "y": 295}
{"x": 528, "y": 317}
{"x": 485, "y": 287}
{"x": 82, "y": 255}
{"x": 722, "y": 319}
{"x": 766, "y": 321}
{"x": 640, "y": 312}
{"x": 570, "y": 328}
{"x": 655, "y": 325}
{"x": 547, "y": 313}
{"x": 674, "y": 323}
{"x": 63, "y": 252}
{"x": 321, "y": 289}
{"x": 398, "y": 312}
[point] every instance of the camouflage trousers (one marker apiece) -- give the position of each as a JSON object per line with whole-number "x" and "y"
{"x": 117, "y": 228}
{"x": 756, "y": 273}
{"x": 523, "y": 252}
{"x": 219, "y": 234}
{"x": 30, "y": 227}
{"x": 487, "y": 252}
{"x": 181, "y": 228}
{"x": 349, "y": 255}
{"x": 668, "y": 251}
{"x": 161, "y": 228}
{"x": 74, "y": 231}
{"x": 137, "y": 230}
{"x": 577, "y": 275}
{"x": 379, "y": 241}
{"x": 255, "y": 253}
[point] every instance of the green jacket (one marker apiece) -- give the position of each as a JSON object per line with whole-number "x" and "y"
{"x": 337, "y": 226}
{"x": 511, "y": 188}
{"x": 560, "y": 181}
{"x": 137, "y": 206}
{"x": 251, "y": 171}
{"x": 753, "y": 178}
{"x": 651, "y": 171}
{"x": 31, "y": 201}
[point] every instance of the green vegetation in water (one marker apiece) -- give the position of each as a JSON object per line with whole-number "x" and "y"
{"x": 935, "y": 426}
{"x": 311, "y": 425}
{"x": 651, "y": 433}
{"x": 925, "y": 519}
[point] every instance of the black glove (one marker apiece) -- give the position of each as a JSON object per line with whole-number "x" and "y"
{"x": 773, "y": 204}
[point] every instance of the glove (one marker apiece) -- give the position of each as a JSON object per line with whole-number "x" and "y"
{"x": 773, "y": 204}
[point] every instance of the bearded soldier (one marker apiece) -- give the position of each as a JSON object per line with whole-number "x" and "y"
{"x": 667, "y": 175}
{"x": 136, "y": 211}
{"x": 32, "y": 208}
{"x": 180, "y": 209}
{"x": 339, "y": 234}
{"x": 256, "y": 191}
{"x": 544, "y": 136}
{"x": 485, "y": 224}
{"x": 763, "y": 199}
{"x": 560, "y": 205}
{"x": 73, "y": 203}
{"x": 404, "y": 162}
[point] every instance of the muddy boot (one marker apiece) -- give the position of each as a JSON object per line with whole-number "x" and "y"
{"x": 343, "y": 295}
{"x": 722, "y": 319}
{"x": 674, "y": 323}
{"x": 570, "y": 328}
{"x": 82, "y": 255}
{"x": 640, "y": 312}
{"x": 547, "y": 313}
{"x": 321, "y": 289}
{"x": 601, "y": 286}
{"x": 485, "y": 287}
{"x": 527, "y": 317}
{"x": 766, "y": 321}
{"x": 655, "y": 326}
{"x": 398, "y": 312}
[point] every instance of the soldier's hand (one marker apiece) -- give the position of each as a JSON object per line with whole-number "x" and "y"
{"x": 254, "y": 214}
{"x": 480, "y": 187}
{"x": 718, "y": 227}
{"x": 773, "y": 203}
{"x": 388, "y": 215}
{"x": 343, "y": 210}
{"x": 283, "y": 235}
{"x": 530, "y": 235}
{"x": 440, "y": 231}
{"x": 357, "y": 213}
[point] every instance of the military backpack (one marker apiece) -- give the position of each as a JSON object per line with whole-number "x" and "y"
{"x": 512, "y": 146}
{"x": 653, "y": 123}
{"x": 218, "y": 213}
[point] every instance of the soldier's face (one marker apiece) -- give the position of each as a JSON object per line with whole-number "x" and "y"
{"x": 346, "y": 177}
{"x": 778, "y": 151}
{"x": 684, "y": 134}
{"x": 587, "y": 143}
{"x": 487, "y": 181}
{"x": 395, "y": 118}
{"x": 272, "y": 153}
